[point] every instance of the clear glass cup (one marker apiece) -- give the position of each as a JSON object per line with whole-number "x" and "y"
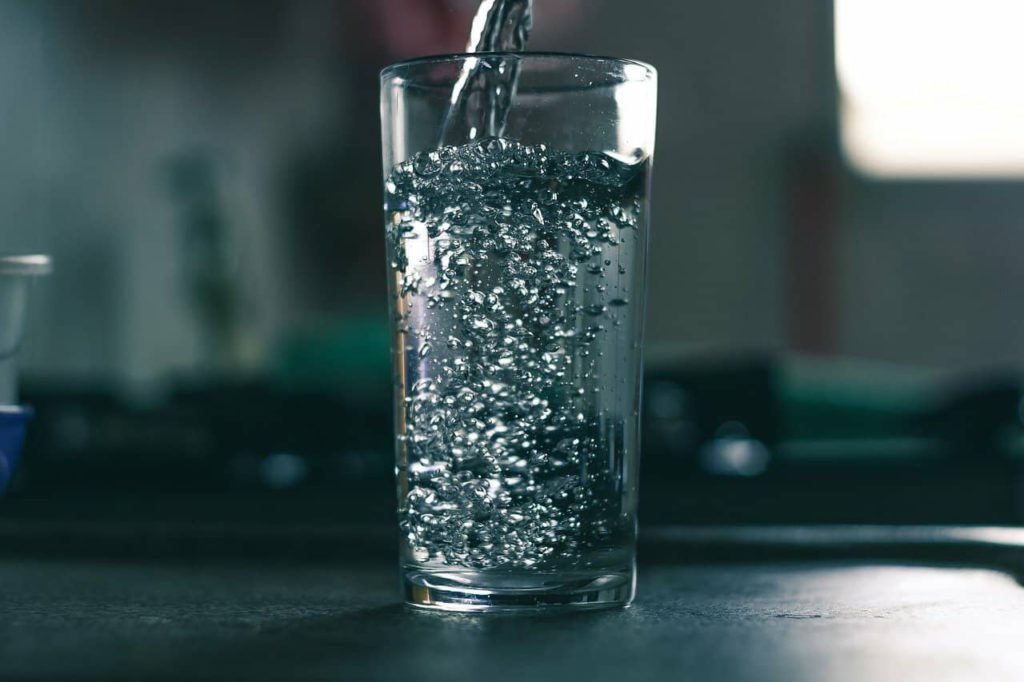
{"x": 517, "y": 269}
{"x": 16, "y": 275}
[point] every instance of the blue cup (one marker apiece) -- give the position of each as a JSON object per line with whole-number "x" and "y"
{"x": 13, "y": 422}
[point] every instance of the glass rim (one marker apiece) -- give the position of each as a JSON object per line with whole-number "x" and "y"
{"x": 453, "y": 57}
{"x": 25, "y": 264}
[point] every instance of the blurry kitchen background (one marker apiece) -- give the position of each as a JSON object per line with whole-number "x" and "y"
{"x": 834, "y": 329}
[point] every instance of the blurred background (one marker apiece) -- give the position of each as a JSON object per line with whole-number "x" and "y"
{"x": 834, "y": 332}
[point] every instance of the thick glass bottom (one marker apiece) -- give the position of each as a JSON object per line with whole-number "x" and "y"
{"x": 467, "y": 590}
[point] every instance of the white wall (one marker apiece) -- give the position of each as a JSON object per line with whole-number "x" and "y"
{"x": 88, "y": 122}
{"x": 932, "y": 273}
{"x": 739, "y": 82}
{"x": 928, "y": 274}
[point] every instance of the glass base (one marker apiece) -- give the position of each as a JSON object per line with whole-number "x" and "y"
{"x": 466, "y": 590}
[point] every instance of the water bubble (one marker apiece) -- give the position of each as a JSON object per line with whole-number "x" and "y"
{"x": 481, "y": 323}
{"x": 427, "y": 164}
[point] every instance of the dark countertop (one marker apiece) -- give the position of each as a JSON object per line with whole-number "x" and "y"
{"x": 742, "y": 616}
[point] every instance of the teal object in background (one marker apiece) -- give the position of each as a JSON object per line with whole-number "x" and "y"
{"x": 844, "y": 398}
{"x": 343, "y": 353}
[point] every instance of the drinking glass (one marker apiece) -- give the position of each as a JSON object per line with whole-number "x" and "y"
{"x": 517, "y": 248}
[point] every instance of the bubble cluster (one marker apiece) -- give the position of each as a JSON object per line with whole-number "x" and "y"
{"x": 510, "y": 265}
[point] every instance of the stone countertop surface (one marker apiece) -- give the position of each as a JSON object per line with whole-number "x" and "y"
{"x": 782, "y": 604}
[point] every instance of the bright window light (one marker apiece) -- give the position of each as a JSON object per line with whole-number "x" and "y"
{"x": 932, "y": 87}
